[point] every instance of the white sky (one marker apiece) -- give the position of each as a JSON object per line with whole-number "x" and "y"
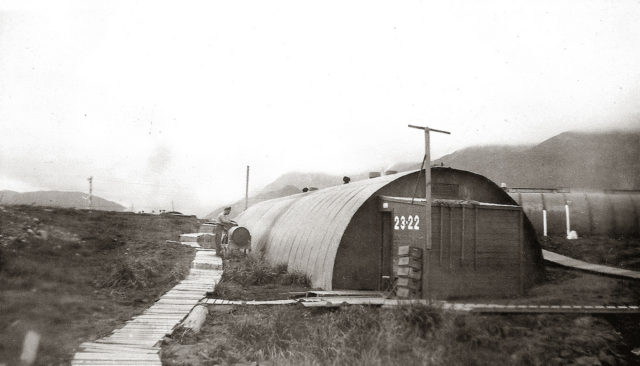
{"x": 163, "y": 103}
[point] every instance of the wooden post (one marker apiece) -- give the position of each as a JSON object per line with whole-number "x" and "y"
{"x": 475, "y": 238}
{"x": 450, "y": 238}
{"x": 426, "y": 253}
{"x": 30, "y": 348}
{"x": 441, "y": 233}
{"x": 568, "y": 220}
{"x": 427, "y": 190}
{"x": 90, "y": 179}
{"x": 426, "y": 256}
{"x": 196, "y": 318}
{"x": 462, "y": 240}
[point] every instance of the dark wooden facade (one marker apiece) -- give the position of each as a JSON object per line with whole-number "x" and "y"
{"x": 477, "y": 248}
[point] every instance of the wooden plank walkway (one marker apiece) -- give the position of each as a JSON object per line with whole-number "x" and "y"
{"x": 351, "y": 293}
{"x": 470, "y": 307}
{"x": 336, "y": 301}
{"x": 135, "y": 343}
{"x": 248, "y": 302}
{"x": 564, "y": 261}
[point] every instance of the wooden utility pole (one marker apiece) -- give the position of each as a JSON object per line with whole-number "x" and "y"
{"x": 90, "y": 179}
{"x": 426, "y": 252}
{"x": 246, "y": 191}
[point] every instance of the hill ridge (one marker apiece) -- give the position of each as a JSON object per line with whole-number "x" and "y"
{"x": 56, "y": 198}
{"x": 591, "y": 160}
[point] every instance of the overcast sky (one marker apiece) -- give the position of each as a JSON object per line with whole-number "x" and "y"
{"x": 162, "y": 103}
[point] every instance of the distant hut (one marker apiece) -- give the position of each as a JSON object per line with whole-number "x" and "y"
{"x": 614, "y": 212}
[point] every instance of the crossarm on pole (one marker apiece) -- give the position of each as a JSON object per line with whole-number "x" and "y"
{"x": 430, "y": 129}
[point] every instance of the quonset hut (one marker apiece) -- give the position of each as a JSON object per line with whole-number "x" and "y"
{"x": 613, "y": 213}
{"x": 347, "y": 236}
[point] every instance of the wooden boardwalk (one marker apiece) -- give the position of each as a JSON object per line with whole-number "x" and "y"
{"x": 248, "y": 302}
{"x": 136, "y": 343}
{"x": 473, "y": 307}
{"x": 336, "y": 301}
{"x": 564, "y": 261}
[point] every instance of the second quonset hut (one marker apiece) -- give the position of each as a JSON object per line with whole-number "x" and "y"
{"x": 347, "y": 236}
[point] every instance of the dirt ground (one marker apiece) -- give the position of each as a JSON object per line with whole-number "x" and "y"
{"x": 75, "y": 275}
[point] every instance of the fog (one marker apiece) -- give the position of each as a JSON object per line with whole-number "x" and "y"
{"x": 165, "y": 104}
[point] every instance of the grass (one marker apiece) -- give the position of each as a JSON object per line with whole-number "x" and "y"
{"x": 413, "y": 335}
{"x": 76, "y": 275}
{"x": 251, "y": 270}
{"x": 252, "y": 278}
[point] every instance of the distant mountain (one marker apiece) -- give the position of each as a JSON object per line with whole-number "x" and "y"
{"x": 286, "y": 185}
{"x": 238, "y": 206}
{"x": 301, "y": 180}
{"x": 57, "y": 199}
{"x": 571, "y": 159}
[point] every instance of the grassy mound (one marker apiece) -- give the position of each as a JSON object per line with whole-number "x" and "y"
{"x": 251, "y": 270}
{"x": 252, "y": 278}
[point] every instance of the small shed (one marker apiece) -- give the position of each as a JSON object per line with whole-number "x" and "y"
{"x": 347, "y": 236}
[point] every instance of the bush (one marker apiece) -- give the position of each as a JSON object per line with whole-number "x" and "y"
{"x": 227, "y": 290}
{"x": 131, "y": 274}
{"x": 251, "y": 270}
{"x": 421, "y": 319}
{"x": 349, "y": 335}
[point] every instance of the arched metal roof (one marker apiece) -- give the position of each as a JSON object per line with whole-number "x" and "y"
{"x": 304, "y": 230}
{"x": 590, "y": 213}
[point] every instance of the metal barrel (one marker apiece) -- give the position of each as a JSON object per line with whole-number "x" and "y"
{"x": 240, "y": 236}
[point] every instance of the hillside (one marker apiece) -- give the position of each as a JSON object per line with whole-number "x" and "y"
{"x": 57, "y": 199}
{"x": 571, "y": 159}
{"x": 301, "y": 180}
{"x": 286, "y": 185}
{"x": 238, "y": 206}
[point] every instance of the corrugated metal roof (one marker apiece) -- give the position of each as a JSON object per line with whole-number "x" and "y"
{"x": 305, "y": 230}
{"x": 591, "y": 213}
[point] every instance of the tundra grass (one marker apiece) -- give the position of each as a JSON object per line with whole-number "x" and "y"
{"x": 415, "y": 335}
{"x": 252, "y": 278}
{"x": 75, "y": 275}
{"x": 355, "y": 335}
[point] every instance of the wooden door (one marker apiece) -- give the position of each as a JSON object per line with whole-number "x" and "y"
{"x": 386, "y": 252}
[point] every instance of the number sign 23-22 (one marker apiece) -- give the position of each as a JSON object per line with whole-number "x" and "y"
{"x": 408, "y": 223}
